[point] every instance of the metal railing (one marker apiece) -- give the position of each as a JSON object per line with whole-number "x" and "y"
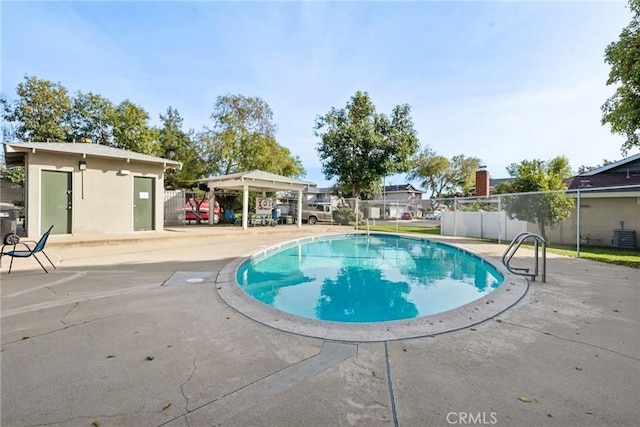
{"x": 513, "y": 248}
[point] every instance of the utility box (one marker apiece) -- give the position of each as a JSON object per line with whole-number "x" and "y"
{"x": 8, "y": 220}
{"x": 624, "y": 239}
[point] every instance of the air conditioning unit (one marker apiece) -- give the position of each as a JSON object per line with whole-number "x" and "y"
{"x": 624, "y": 239}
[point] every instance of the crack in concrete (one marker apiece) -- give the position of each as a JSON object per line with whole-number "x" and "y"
{"x": 77, "y": 275}
{"x": 193, "y": 371}
{"x": 90, "y": 297}
{"x": 67, "y": 313}
{"x": 251, "y": 394}
{"x": 62, "y": 329}
{"x": 549, "y": 334}
{"x": 70, "y": 421}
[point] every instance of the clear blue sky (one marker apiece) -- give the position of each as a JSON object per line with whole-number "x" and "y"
{"x": 502, "y": 81}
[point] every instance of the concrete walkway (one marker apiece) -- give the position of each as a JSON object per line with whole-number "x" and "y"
{"x": 122, "y": 335}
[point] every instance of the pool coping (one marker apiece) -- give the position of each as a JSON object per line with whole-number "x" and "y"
{"x": 513, "y": 289}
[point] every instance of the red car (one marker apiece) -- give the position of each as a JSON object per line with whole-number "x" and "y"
{"x": 193, "y": 213}
{"x": 406, "y": 215}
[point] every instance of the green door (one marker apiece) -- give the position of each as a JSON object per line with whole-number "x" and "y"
{"x": 55, "y": 202}
{"x": 143, "y": 203}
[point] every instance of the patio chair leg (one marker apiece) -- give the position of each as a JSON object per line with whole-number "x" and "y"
{"x": 46, "y": 256}
{"x": 10, "y": 265}
{"x": 45, "y": 270}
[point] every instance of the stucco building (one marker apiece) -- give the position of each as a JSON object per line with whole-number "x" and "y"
{"x": 85, "y": 188}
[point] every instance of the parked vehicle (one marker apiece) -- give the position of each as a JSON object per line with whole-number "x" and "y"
{"x": 321, "y": 212}
{"x": 406, "y": 215}
{"x": 193, "y": 212}
{"x": 435, "y": 215}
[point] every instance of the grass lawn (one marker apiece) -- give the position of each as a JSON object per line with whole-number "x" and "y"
{"x": 627, "y": 257}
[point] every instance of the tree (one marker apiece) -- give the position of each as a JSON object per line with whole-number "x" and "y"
{"x": 359, "y": 146}
{"x": 41, "y": 111}
{"x": 175, "y": 144}
{"x": 271, "y": 157}
{"x": 443, "y": 176}
{"x": 8, "y": 129}
{"x": 548, "y": 205}
{"x": 91, "y": 117}
{"x": 130, "y": 129}
{"x": 622, "y": 110}
{"x": 14, "y": 174}
{"x": 243, "y": 138}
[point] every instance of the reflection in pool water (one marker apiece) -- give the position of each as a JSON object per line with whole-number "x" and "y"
{"x": 360, "y": 278}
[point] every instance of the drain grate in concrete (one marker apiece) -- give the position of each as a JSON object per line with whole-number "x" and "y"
{"x": 190, "y": 278}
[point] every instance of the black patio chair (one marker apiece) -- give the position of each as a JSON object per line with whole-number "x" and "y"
{"x": 26, "y": 253}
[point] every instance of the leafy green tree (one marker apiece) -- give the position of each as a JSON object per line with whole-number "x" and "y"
{"x": 243, "y": 138}
{"x": 271, "y": 157}
{"x": 177, "y": 145}
{"x": 15, "y": 174}
{"x": 622, "y": 110}
{"x": 359, "y": 146}
{"x": 443, "y": 176}
{"x": 91, "y": 117}
{"x": 548, "y": 205}
{"x": 41, "y": 111}
{"x": 131, "y": 131}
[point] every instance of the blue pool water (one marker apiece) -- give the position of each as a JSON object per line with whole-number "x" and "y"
{"x": 360, "y": 278}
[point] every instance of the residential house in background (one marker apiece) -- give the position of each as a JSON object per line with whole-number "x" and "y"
{"x": 609, "y": 199}
{"x": 606, "y": 212}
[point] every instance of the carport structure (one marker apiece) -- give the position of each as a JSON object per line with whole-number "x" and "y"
{"x": 259, "y": 181}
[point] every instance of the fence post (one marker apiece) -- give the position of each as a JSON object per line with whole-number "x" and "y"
{"x": 578, "y": 227}
{"x": 455, "y": 214}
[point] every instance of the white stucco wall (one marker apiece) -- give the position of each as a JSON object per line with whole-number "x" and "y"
{"x": 102, "y": 197}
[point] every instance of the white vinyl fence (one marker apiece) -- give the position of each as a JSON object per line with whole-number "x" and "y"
{"x": 483, "y": 225}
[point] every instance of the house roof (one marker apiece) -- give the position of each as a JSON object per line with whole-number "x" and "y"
{"x": 603, "y": 180}
{"x": 621, "y": 173}
{"x": 256, "y": 179}
{"x": 402, "y": 188}
{"x": 495, "y": 181}
{"x": 631, "y": 163}
{"x": 14, "y": 152}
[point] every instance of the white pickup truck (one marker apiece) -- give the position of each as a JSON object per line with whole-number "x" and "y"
{"x": 320, "y": 212}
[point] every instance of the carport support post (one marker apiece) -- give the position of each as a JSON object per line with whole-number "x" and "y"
{"x": 212, "y": 207}
{"x": 299, "y": 220}
{"x": 245, "y": 207}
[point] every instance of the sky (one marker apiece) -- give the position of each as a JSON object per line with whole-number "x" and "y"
{"x": 504, "y": 81}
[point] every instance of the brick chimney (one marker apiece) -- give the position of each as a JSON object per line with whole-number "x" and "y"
{"x": 482, "y": 182}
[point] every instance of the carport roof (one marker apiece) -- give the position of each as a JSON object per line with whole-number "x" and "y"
{"x": 256, "y": 179}
{"x": 14, "y": 152}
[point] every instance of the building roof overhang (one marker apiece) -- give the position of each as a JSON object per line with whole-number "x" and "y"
{"x": 256, "y": 179}
{"x": 15, "y": 153}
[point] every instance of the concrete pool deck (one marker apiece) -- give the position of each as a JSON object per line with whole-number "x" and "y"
{"x": 130, "y": 331}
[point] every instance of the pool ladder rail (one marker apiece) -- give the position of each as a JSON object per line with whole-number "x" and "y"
{"x": 513, "y": 248}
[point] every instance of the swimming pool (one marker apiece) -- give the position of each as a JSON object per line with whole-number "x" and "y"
{"x": 366, "y": 278}
{"x": 508, "y": 294}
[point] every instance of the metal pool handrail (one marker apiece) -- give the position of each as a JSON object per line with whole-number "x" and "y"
{"x": 513, "y": 248}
